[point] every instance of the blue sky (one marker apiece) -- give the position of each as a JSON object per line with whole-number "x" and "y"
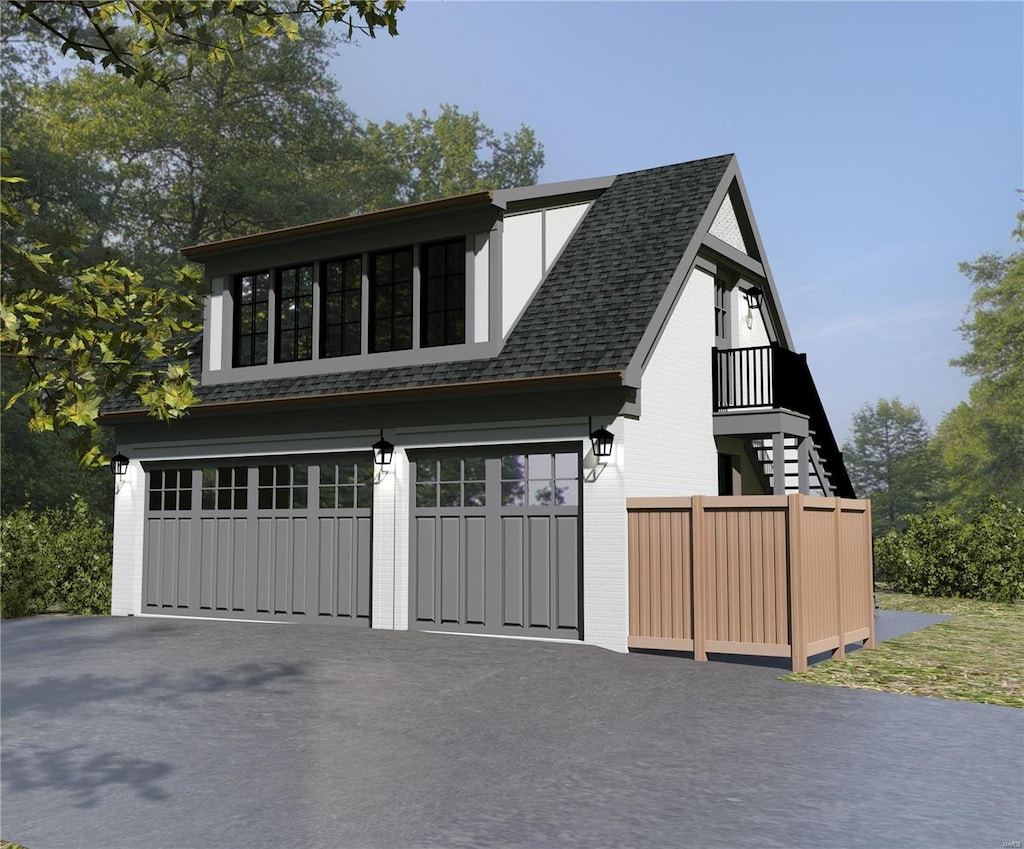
{"x": 881, "y": 143}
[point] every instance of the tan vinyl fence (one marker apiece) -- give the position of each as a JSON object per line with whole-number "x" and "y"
{"x": 774, "y": 575}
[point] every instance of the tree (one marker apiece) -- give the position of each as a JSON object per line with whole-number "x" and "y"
{"x": 890, "y": 461}
{"x": 114, "y": 178}
{"x": 40, "y": 469}
{"x": 79, "y": 330}
{"x": 454, "y": 153}
{"x": 982, "y": 441}
{"x": 259, "y": 143}
{"x": 78, "y": 323}
{"x": 135, "y": 37}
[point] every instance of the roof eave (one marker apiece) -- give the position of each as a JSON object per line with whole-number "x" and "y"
{"x": 615, "y": 379}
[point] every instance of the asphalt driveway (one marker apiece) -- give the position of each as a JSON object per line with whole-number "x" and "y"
{"x": 160, "y": 733}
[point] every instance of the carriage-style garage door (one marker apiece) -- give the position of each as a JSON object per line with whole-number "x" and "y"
{"x": 259, "y": 540}
{"x": 496, "y": 542}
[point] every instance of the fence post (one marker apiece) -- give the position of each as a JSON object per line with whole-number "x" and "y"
{"x": 698, "y": 577}
{"x": 840, "y": 651}
{"x": 794, "y": 555}
{"x": 870, "y": 642}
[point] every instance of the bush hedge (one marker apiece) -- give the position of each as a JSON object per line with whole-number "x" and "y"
{"x": 942, "y": 553}
{"x": 60, "y": 558}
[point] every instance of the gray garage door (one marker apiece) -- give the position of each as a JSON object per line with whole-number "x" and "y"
{"x": 496, "y": 542}
{"x": 289, "y": 540}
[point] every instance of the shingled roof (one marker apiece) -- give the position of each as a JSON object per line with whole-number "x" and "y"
{"x": 589, "y": 313}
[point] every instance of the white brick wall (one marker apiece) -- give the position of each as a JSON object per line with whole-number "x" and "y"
{"x": 390, "y": 604}
{"x": 672, "y": 446}
{"x": 605, "y": 550}
{"x": 744, "y": 336}
{"x": 129, "y": 525}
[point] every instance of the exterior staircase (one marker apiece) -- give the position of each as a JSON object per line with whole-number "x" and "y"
{"x": 773, "y": 378}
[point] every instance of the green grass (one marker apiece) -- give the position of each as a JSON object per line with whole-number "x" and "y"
{"x": 977, "y": 656}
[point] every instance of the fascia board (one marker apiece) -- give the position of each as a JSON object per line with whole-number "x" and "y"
{"x": 774, "y": 303}
{"x": 568, "y": 191}
{"x": 743, "y": 264}
{"x": 599, "y": 380}
{"x": 200, "y": 252}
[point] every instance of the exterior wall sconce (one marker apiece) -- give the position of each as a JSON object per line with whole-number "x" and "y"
{"x": 118, "y": 465}
{"x": 754, "y": 296}
{"x": 601, "y": 440}
{"x": 383, "y": 451}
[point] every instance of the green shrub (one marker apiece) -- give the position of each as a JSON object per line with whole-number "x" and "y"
{"x": 58, "y": 558}
{"x": 944, "y": 554}
{"x": 26, "y": 578}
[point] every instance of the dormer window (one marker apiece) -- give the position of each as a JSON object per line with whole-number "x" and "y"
{"x": 294, "y": 314}
{"x": 391, "y": 300}
{"x": 342, "y": 297}
{"x": 443, "y": 294}
{"x": 252, "y": 314}
{"x": 357, "y": 306}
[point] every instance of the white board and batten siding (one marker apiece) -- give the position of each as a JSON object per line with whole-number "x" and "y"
{"x": 214, "y": 324}
{"x": 531, "y": 242}
{"x": 672, "y": 446}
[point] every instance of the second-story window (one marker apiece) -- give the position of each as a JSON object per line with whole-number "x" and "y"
{"x": 721, "y": 315}
{"x": 295, "y": 314}
{"x": 443, "y": 294}
{"x": 342, "y": 299}
{"x": 391, "y": 300}
{"x": 252, "y": 318}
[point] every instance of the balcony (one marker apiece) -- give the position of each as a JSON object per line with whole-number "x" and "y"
{"x": 767, "y": 394}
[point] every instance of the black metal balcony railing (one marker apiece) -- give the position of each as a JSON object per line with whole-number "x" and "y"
{"x": 745, "y": 378}
{"x": 775, "y": 378}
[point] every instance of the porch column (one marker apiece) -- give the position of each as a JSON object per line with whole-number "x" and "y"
{"x": 779, "y": 464}
{"x": 803, "y": 456}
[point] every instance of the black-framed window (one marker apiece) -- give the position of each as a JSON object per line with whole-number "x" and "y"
{"x": 251, "y": 294}
{"x": 282, "y": 487}
{"x": 721, "y": 313}
{"x": 341, "y": 298}
{"x": 346, "y": 484}
{"x": 170, "y": 489}
{"x": 451, "y": 482}
{"x": 225, "y": 488}
{"x": 540, "y": 480}
{"x": 294, "y": 314}
{"x": 391, "y": 300}
{"x": 443, "y": 293}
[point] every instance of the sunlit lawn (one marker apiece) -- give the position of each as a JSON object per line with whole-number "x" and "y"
{"x": 977, "y": 656}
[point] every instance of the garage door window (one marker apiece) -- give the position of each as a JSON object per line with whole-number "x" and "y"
{"x": 540, "y": 480}
{"x": 282, "y": 487}
{"x": 346, "y": 485}
{"x": 225, "y": 488}
{"x": 451, "y": 482}
{"x": 170, "y": 489}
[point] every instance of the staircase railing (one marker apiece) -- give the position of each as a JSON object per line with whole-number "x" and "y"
{"x": 773, "y": 377}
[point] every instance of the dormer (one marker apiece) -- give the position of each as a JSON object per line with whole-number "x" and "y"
{"x": 439, "y": 281}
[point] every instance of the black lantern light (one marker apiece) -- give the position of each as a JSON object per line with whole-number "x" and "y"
{"x": 118, "y": 465}
{"x": 601, "y": 440}
{"x": 754, "y": 296}
{"x": 383, "y": 451}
